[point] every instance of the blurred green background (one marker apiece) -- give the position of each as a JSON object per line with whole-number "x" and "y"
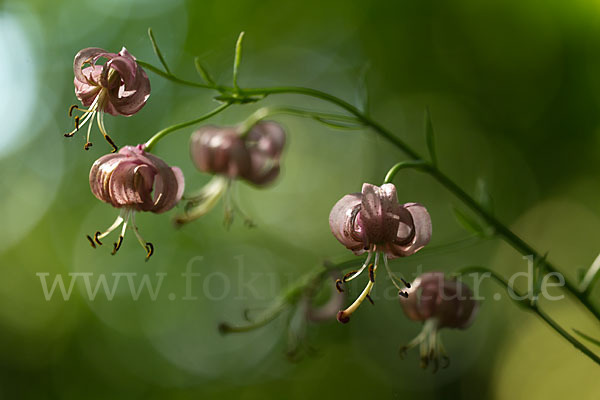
{"x": 514, "y": 91}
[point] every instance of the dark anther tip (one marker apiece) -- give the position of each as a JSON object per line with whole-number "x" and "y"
{"x": 338, "y": 285}
{"x": 342, "y": 317}
{"x": 77, "y": 122}
{"x": 403, "y": 294}
{"x": 87, "y": 145}
{"x": 405, "y": 283}
{"x": 91, "y": 241}
{"x": 74, "y": 106}
{"x": 224, "y": 328}
{"x": 110, "y": 141}
{"x": 69, "y": 134}
{"x": 402, "y": 352}
{"x": 117, "y": 245}
{"x": 445, "y": 362}
{"x": 370, "y": 299}
{"x": 371, "y": 273}
{"x": 96, "y": 238}
{"x": 149, "y": 250}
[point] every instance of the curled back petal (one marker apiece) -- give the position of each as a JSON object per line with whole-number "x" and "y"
{"x": 89, "y": 54}
{"x": 267, "y": 137}
{"x": 380, "y": 214}
{"x": 128, "y": 102}
{"x": 421, "y": 236}
{"x": 126, "y": 67}
{"x": 343, "y": 223}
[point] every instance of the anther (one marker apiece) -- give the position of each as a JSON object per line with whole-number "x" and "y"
{"x": 110, "y": 141}
{"x": 117, "y": 245}
{"x": 87, "y": 145}
{"x": 149, "y": 249}
{"x": 73, "y": 107}
{"x": 338, "y": 285}
{"x": 91, "y": 241}
{"x": 96, "y": 239}
{"x": 371, "y": 273}
{"x": 348, "y": 275}
{"x": 402, "y": 352}
{"x": 77, "y": 122}
{"x": 224, "y": 328}
{"x": 445, "y": 362}
{"x": 403, "y": 294}
{"x": 342, "y": 317}
{"x": 405, "y": 283}
{"x": 370, "y": 299}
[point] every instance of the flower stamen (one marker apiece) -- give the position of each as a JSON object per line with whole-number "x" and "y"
{"x": 149, "y": 247}
{"x": 100, "y": 120}
{"x": 396, "y": 279}
{"x": 344, "y": 315}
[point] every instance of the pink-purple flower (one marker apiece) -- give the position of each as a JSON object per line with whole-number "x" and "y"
{"x": 134, "y": 180}
{"x": 253, "y": 156}
{"x": 438, "y": 303}
{"x": 117, "y": 87}
{"x": 373, "y": 221}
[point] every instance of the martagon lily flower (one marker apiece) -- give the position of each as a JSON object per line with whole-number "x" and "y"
{"x": 133, "y": 180}
{"x": 118, "y": 87}
{"x": 374, "y": 222}
{"x": 229, "y": 154}
{"x": 439, "y": 303}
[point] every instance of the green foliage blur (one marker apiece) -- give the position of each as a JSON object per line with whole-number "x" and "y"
{"x": 513, "y": 87}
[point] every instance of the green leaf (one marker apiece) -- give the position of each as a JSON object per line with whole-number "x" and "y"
{"x": 483, "y": 197}
{"x": 337, "y": 124}
{"x": 468, "y": 222}
{"x": 429, "y": 137}
{"x": 238, "y": 59}
{"x": 587, "y": 337}
{"x": 157, "y": 51}
{"x": 362, "y": 90}
{"x": 203, "y": 72}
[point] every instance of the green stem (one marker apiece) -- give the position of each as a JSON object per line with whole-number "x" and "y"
{"x": 160, "y": 134}
{"x": 266, "y": 112}
{"x": 533, "y": 307}
{"x": 289, "y": 297}
{"x": 510, "y": 237}
{"x": 412, "y": 164}
{"x": 175, "y": 79}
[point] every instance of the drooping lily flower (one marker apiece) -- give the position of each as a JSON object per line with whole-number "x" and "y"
{"x": 118, "y": 87}
{"x": 134, "y": 180}
{"x": 439, "y": 303}
{"x": 301, "y": 303}
{"x": 374, "y": 222}
{"x": 231, "y": 155}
